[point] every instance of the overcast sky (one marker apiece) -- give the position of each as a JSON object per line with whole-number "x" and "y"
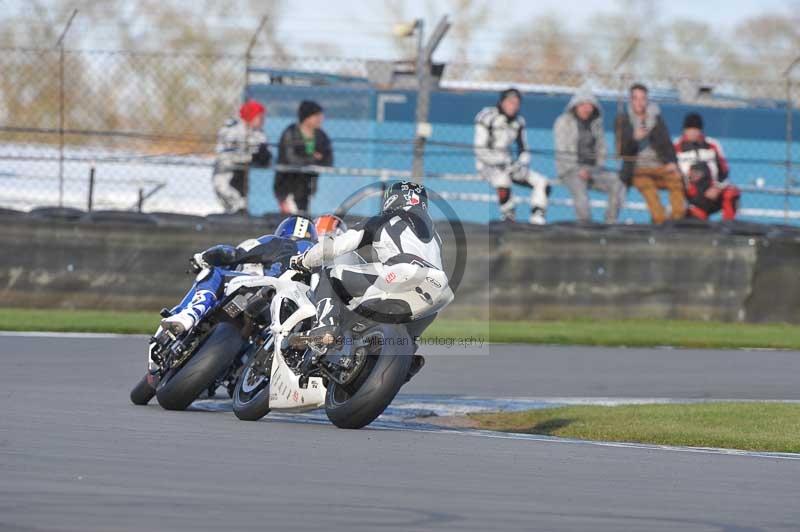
{"x": 359, "y": 28}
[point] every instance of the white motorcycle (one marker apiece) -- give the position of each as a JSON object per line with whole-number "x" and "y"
{"x": 356, "y": 379}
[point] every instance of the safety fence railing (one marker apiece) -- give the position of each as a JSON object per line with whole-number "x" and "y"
{"x": 147, "y": 122}
{"x": 345, "y": 190}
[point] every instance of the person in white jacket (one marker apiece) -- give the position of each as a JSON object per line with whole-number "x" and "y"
{"x": 502, "y": 156}
{"x": 241, "y": 144}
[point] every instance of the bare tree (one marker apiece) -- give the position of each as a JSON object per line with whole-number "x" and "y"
{"x": 470, "y": 17}
{"x": 541, "y": 51}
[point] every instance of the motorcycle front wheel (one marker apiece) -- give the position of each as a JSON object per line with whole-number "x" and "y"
{"x": 251, "y": 395}
{"x": 178, "y": 389}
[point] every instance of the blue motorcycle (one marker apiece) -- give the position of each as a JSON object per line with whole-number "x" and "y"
{"x": 226, "y": 316}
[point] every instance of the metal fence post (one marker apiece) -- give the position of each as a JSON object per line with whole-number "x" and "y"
{"x": 421, "y": 115}
{"x": 248, "y": 57}
{"x": 90, "y": 200}
{"x": 624, "y": 76}
{"x": 423, "y": 127}
{"x": 624, "y": 81}
{"x": 60, "y": 46}
{"x": 789, "y": 133}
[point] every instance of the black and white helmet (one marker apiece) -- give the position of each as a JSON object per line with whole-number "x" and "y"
{"x": 405, "y": 195}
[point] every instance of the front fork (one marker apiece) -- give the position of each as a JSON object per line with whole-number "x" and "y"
{"x": 163, "y": 346}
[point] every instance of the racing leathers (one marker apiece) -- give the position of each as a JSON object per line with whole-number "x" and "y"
{"x": 706, "y": 170}
{"x": 266, "y": 255}
{"x": 502, "y": 157}
{"x": 239, "y": 147}
{"x": 400, "y": 281}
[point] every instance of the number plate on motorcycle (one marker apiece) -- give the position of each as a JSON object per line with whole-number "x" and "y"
{"x": 235, "y": 306}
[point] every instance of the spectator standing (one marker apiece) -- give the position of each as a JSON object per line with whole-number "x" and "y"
{"x": 703, "y": 162}
{"x": 499, "y": 129}
{"x": 649, "y": 160}
{"x": 241, "y": 144}
{"x": 303, "y": 143}
{"x": 581, "y": 153}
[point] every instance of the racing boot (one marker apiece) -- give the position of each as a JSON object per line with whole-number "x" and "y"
{"x": 417, "y": 363}
{"x": 320, "y": 338}
{"x": 537, "y": 217}
{"x": 181, "y": 322}
{"x": 325, "y": 333}
{"x": 540, "y": 193}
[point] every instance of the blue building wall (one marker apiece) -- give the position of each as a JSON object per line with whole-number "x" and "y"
{"x": 753, "y": 139}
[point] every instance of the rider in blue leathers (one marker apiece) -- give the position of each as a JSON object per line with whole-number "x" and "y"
{"x": 265, "y": 255}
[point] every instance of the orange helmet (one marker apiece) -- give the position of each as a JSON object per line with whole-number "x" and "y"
{"x": 329, "y": 224}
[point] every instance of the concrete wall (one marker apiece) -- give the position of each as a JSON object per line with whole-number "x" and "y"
{"x": 729, "y": 273}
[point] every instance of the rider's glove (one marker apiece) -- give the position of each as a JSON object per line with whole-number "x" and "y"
{"x": 518, "y": 170}
{"x": 296, "y": 263}
{"x": 198, "y": 263}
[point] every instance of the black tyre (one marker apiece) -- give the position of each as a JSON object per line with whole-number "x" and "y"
{"x": 359, "y": 403}
{"x": 178, "y": 389}
{"x": 251, "y": 395}
{"x": 142, "y": 392}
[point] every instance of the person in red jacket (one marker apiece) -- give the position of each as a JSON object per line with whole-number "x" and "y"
{"x": 703, "y": 164}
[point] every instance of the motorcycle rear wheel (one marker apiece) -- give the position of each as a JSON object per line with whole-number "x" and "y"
{"x": 142, "y": 392}
{"x": 359, "y": 403}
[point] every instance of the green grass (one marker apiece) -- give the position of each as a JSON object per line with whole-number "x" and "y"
{"x": 633, "y": 333}
{"x": 78, "y": 321}
{"x": 640, "y": 333}
{"x": 750, "y": 426}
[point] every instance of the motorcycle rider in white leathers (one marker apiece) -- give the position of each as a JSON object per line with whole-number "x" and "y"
{"x": 499, "y": 131}
{"x": 402, "y": 280}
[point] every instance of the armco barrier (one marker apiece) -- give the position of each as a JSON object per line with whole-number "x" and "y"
{"x": 730, "y": 272}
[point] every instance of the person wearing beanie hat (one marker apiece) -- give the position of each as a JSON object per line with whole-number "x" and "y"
{"x": 581, "y": 155}
{"x": 241, "y": 144}
{"x": 302, "y": 144}
{"x": 693, "y": 121}
{"x": 502, "y": 156}
{"x": 253, "y": 113}
{"x": 306, "y": 109}
{"x": 705, "y": 169}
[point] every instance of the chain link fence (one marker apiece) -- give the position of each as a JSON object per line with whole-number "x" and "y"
{"x": 137, "y": 131}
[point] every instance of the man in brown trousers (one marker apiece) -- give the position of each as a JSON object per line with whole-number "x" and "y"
{"x": 649, "y": 161}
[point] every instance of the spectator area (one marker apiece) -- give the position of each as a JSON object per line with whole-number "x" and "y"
{"x": 372, "y": 128}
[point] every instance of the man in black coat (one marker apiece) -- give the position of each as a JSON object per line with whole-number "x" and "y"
{"x": 302, "y": 144}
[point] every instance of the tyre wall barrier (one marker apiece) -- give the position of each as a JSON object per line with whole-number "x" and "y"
{"x": 733, "y": 272}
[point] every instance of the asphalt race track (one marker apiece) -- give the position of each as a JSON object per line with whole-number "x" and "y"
{"x": 76, "y": 455}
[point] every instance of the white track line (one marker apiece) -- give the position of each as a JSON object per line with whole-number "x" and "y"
{"x": 84, "y": 335}
{"x": 421, "y": 426}
{"x": 624, "y": 445}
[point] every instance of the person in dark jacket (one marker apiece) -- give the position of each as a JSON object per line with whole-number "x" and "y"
{"x": 649, "y": 161}
{"x": 302, "y": 144}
